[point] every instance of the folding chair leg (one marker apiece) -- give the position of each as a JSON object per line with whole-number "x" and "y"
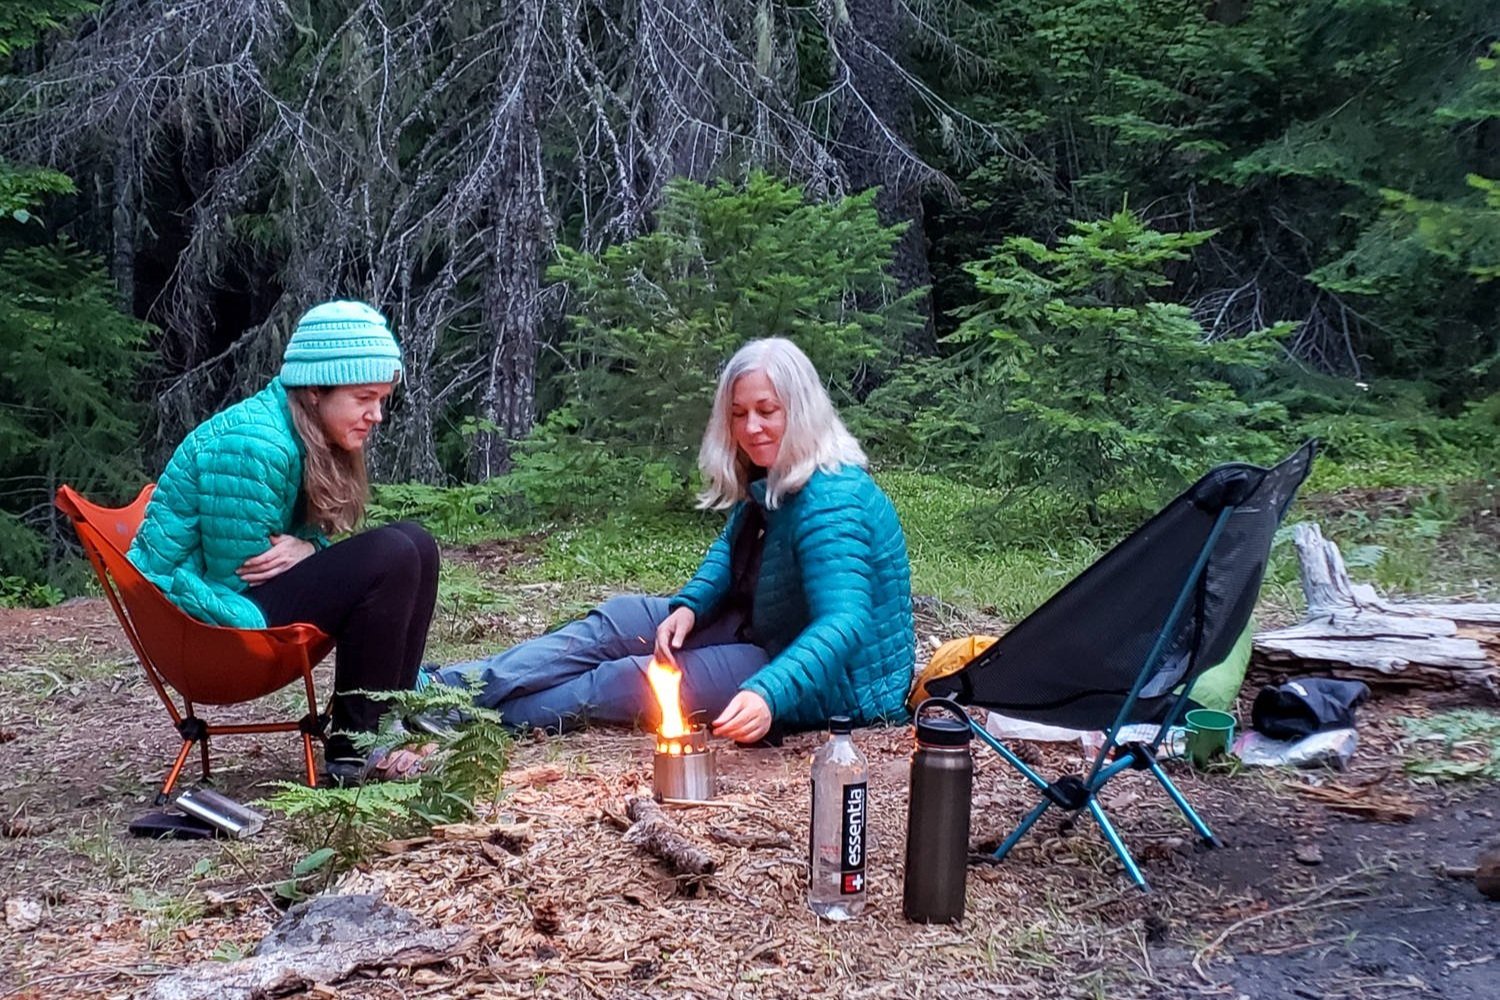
{"x": 203, "y": 745}
{"x": 1200, "y": 827}
{"x": 1020, "y": 831}
{"x": 182, "y": 756}
{"x": 307, "y": 754}
{"x": 1108, "y": 829}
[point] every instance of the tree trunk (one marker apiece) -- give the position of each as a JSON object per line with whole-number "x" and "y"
{"x": 512, "y": 318}
{"x": 125, "y": 198}
{"x": 682, "y": 140}
{"x": 416, "y": 456}
{"x": 408, "y": 450}
{"x": 511, "y": 305}
{"x": 873, "y": 146}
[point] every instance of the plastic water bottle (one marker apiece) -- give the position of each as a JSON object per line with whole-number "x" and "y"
{"x": 840, "y": 816}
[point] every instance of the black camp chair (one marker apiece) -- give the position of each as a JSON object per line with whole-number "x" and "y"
{"x": 1123, "y": 642}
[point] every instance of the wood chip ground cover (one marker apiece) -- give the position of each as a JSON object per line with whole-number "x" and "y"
{"x": 563, "y": 906}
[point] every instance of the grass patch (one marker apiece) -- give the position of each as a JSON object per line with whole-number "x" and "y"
{"x": 1408, "y": 507}
{"x": 654, "y": 552}
{"x": 963, "y": 542}
{"x": 1442, "y": 540}
{"x": 1006, "y": 552}
{"x": 164, "y": 914}
{"x": 465, "y": 595}
{"x": 109, "y": 857}
{"x": 1382, "y": 451}
{"x": 986, "y": 548}
{"x": 1460, "y": 745}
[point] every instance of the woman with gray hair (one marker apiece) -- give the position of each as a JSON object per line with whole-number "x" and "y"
{"x": 801, "y": 609}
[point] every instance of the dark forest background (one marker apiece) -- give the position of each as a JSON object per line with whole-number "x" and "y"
{"x": 1068, "y": 252}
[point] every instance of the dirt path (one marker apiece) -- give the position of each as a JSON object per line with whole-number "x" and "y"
{"x": 82, "y": 743}
{"x": 1408, "y": 931}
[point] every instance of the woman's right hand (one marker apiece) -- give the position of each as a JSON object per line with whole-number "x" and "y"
{"x": 672, "y": 633}
{"x": 285, "y": 552}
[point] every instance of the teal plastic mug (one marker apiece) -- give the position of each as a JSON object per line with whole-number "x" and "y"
{"x": 1210, "y": 733}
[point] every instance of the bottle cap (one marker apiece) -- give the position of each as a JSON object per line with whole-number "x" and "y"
{"x": 942, "y": 733}
{"x": 840, "y": 724}
{"x": 948, "y": 730}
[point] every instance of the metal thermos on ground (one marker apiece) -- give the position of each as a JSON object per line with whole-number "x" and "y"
{"x": 937, "y": 822}
{"x": 836, "y": 841}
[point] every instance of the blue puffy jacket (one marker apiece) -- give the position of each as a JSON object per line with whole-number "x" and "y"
{"x": 230, "y": 486}
{"x": 832, "y": 603}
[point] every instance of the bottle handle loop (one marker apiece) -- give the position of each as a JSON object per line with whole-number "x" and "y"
{"x": 947, "y": 704}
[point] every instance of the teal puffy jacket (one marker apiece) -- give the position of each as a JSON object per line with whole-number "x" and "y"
{"x": 832, "y": 604}
{"x": 230, "y": 486}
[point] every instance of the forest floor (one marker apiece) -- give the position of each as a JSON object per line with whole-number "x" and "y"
{"x": 1329, "y": 885}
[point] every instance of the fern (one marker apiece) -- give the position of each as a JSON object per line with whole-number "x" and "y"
{"x": 465, "y": 774}
{"x": 369, "y": 803}
{"x": 461, "y": 778}
{"x": 349, "y": 821}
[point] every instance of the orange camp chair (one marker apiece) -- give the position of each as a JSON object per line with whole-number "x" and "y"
{"x": 204, "y": 664}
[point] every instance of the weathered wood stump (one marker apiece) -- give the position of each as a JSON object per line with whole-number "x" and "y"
{"x": 1350, "y": 631}
{"x": 324, "y": 940}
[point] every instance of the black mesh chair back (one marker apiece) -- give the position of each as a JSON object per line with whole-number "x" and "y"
{"x": 1123, "y": 642}
{"x": 1075, "y": 660}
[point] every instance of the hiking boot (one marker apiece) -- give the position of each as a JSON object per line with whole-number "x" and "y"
{"x": 442, "y": 724}
{"x": 347, "y": 772}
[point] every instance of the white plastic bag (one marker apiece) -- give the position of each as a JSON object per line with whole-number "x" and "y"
{"x": 1006, "y": 728}
{"x": 1331, "y": 748}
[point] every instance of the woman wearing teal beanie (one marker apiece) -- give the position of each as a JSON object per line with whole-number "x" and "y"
{"x": 238, "y": 530}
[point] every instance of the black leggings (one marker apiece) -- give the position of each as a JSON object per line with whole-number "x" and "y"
{"x": 374, "y": 593}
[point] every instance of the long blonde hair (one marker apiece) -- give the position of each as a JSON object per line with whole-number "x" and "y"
{"x": 334, "y": 480}
{"x": 815, "y": 437}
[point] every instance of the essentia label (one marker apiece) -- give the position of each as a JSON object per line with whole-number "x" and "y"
{"x": 852, "y": 844}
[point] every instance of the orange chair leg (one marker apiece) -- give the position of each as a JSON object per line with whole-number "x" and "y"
{"x": 312, "y": 768}
{"x": 166, "y": 789}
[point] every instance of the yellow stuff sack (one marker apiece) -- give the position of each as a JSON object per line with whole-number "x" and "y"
{"x": 947, "y": 659}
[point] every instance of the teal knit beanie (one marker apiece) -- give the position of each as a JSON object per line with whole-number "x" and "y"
{"x": 341, "y": 343}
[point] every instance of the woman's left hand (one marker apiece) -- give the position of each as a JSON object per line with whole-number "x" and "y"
{"x": 745, "y": 719}
{"x": 285, "y": 552}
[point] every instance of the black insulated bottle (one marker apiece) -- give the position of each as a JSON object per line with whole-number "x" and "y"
{"x": 937, "y": 820}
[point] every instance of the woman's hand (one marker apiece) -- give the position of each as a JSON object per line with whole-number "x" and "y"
{"x": 672, "y": 633}
{"x": 745, "y": 719}
{"x": 285, "y": 552}
{"x": 404, "y": 763}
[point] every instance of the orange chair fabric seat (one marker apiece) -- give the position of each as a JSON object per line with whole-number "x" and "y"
{"x": 205, "y": 664}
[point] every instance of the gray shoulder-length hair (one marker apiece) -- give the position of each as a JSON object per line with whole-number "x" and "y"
{"x": 815, "y": 437}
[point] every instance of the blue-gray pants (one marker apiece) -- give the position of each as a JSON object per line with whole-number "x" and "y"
{"x": 594, "y": 669}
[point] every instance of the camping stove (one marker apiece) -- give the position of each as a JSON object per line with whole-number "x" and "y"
{"x": 683, "y": 768}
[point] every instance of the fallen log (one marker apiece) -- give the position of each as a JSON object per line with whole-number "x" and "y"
{"x": 1350, "y": 631}
{"x": 658, "y": 836}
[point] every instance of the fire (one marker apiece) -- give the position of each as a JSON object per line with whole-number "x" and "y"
{"x": 666, "y": 682}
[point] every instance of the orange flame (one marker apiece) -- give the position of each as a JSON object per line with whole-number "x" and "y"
{"x": 666, "y": 682}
